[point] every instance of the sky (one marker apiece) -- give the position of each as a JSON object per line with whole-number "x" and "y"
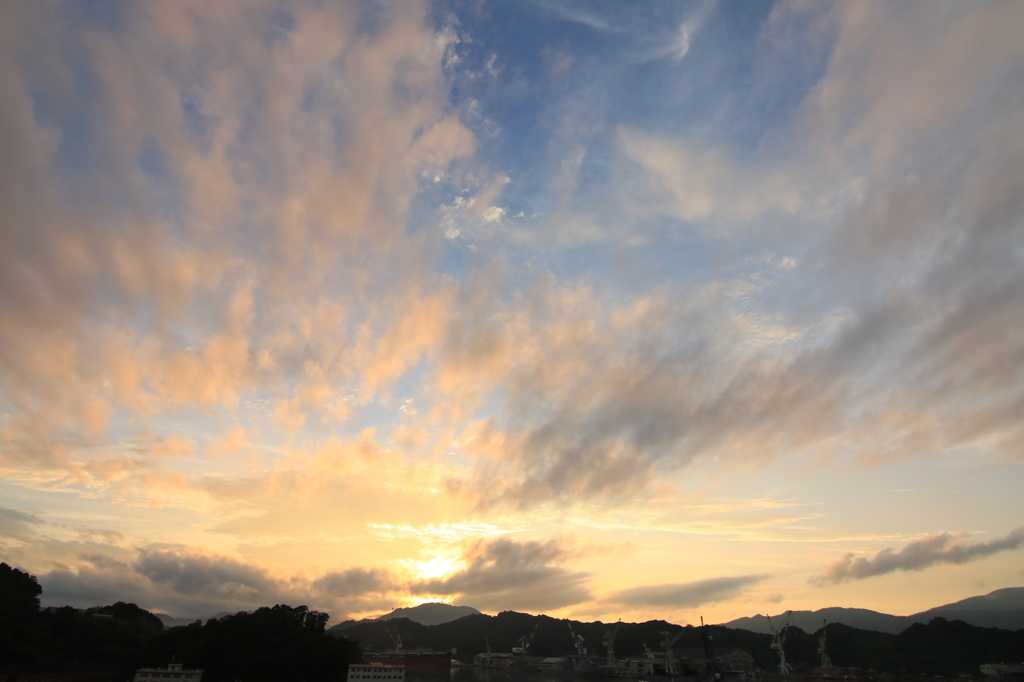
{"x": 601, "y": 310}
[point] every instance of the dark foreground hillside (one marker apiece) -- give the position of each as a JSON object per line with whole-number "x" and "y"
{"x": 111, "y": 642}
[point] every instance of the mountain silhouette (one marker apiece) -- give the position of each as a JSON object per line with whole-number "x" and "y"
{"x": 431, "y": 613}
{"x": 1000, "y": 609}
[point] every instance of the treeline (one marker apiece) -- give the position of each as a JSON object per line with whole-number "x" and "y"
{"x": 940, "y": 647}
{"x": 271, "y": 643}
{"x": 473, "y": 634}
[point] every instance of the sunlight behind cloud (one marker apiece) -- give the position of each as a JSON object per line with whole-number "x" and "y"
{"x": 440, "y": 566}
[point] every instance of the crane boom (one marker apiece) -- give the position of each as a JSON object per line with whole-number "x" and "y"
{"x": 667, "y": 641}
{"x": 826, "y": 662}
{"x": 577, "y": 641}
{"x": 779, "y": 642}
{"x": 609, "y": 641}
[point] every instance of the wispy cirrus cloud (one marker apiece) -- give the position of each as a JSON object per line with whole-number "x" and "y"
{"x": 302, "y": 283}
{"x": 175, "y": 140}
{"x": 944, "y": 548}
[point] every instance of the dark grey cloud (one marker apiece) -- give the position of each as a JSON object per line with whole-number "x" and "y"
{"x": 191, "y": 574}
{"x": 186, "y": 583}
{"x": 684, "y": 595}
{"x": 504, "y": 574}
{"x": 944, "y": 548}
{"x": 91, "y": 587}
{"x": 99, "y": 534}
{"x": 102, "y": 561}
{"x": 18, "y": 525}
{"x": 355, "y": 582}
{"x": 170, "y": 580}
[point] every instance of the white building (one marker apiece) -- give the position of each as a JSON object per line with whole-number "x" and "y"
{"x": 374, "y": 671}
{"x": 174, "y": 671}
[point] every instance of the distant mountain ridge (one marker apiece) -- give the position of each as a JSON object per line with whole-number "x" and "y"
{"x": 431, "y": 613}
{"x": 999, "y": 609}
{"x": 1002, "y": 608}
{"x": 172, "y": 622}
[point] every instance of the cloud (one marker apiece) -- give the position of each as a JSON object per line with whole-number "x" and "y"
{"x": 600, "y": 398}
{"x": 684, "y": 595}
{"x": 356, "y": 581}
{"x": 226, "y": 277}
{"x": 190, "y": 574}
{"x": 678, "y": 45}
{"x": 706, "y": 186}
{"x": 944, "y": 548}
{"x": 177, "y": 268}
{"x": 191, "y": 582}
{"x": 291, "y": 274}
{"x": 650, "y": 34}
{"x": 18, "y": 525}
{"x": 100, "y": 535}
{"x": 108, "y": 584}
{"x": 895, "y": 336}
{"x": 576, "y": 13}
{"x": 500, "y": 574}
{"x": 504, "y": 574}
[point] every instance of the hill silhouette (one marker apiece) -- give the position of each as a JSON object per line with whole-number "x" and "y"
{"x": 431, "y": 613}
{"x": 999, "y": 609}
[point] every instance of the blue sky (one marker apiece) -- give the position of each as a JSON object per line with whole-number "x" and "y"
{"x": 366, "y": 304}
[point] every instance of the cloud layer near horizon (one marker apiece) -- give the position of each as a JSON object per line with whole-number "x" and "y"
{"x": 500, "y": 574}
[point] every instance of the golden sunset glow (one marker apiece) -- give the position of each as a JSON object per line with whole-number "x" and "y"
{"x": 601, "y": 311}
